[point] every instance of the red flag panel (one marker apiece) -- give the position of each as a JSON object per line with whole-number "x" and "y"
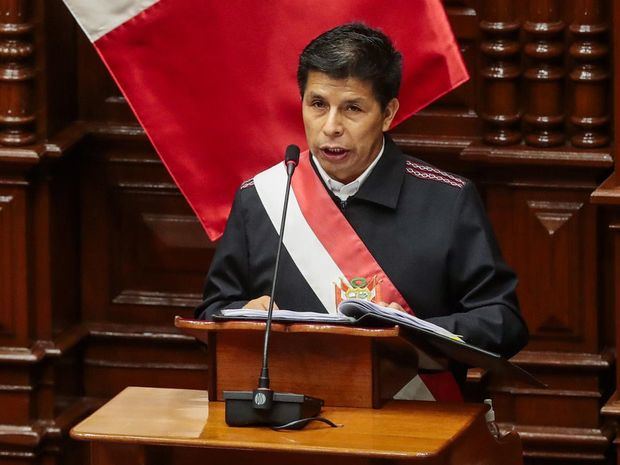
{"x": 214, "y": 83}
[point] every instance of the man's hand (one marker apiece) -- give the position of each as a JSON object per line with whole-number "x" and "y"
{"x": 393, "y": 305}
{"x": 260, "y": 303}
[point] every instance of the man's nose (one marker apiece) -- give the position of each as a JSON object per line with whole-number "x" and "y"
{"x": 333, "y": 124}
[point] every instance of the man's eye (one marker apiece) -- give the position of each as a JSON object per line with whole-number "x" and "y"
{"x": 318, "y": 104}
{"x": 354, "y": 108}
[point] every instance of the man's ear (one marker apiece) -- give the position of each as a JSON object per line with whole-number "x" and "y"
{"x": 389, "y": 113}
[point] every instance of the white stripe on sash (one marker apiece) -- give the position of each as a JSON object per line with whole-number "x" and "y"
{"x": 311, "y": 258}
{"x": 415, "y": 390}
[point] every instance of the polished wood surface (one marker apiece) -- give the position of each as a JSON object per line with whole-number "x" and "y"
{"x": 403, "y": 431}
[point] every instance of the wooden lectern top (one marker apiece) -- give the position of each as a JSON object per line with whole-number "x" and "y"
{"x": 420, "y": 431}
{"x": 200, "y": 328}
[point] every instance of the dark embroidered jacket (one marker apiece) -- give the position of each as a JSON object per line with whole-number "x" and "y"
{"x": 427, "y": 229}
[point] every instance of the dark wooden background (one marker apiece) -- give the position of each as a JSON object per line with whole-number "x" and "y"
{"x": 99, "y": 250}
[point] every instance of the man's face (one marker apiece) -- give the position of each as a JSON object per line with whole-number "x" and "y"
{"x": 344, "y": 124}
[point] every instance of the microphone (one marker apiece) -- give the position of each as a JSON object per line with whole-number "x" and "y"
{"x": 263, "y": 406}
{"x": 291, "y": 160}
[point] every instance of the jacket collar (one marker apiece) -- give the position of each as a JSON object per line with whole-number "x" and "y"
{"x": 386, "y": 179}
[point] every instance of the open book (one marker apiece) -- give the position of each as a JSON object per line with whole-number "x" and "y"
{"x": 349, "y": 311}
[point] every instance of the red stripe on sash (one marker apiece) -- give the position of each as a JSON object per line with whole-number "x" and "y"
{"x": 353, "y": 257}
{"x": 443, "y": 386}
{"x": 336, "y": 234}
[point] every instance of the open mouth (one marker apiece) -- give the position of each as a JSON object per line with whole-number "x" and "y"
{"x": 334, "y": 152}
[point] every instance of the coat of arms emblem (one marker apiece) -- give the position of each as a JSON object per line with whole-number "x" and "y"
{"x": 358, "y": 288}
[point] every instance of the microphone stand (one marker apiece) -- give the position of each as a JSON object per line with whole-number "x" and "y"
{"x": 263, "y": 396}
{"x": 263, "y": 406}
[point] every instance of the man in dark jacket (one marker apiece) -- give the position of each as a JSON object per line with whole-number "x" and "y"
{"x": 363, "y": 205}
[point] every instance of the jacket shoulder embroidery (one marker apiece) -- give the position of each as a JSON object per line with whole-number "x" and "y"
{"x": 428, "y": 172}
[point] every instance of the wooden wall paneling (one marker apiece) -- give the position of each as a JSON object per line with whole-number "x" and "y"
{"x": 52, "y": 241}
{"x": 547, "y": 229}
{"x": 537, "y": 192}
{"x": 13, "y": 267}
{"x": 608, "y": 196}
{"x": 40, "y": 318}
{"x": 64, "y": 229}
{"x": 145, "y": 254}
{"x": 557, "y": 275}
{"x": 611, "y": 409}
{"x": 118, "y": 356}
{"x": 58, "y": 57}
{"x": 144, "y": 259}
{"x": 39, "y": 276}
{"x": 99, "y": 99}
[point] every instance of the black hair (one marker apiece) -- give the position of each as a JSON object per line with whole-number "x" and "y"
{"x": 358, "y": 51}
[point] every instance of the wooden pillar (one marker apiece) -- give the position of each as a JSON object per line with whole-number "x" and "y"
{"x": 500, "y": 107}
{"x": 544, "y": 75}
{"x": 589, "y": 114}
{"x": 17, "y": 73}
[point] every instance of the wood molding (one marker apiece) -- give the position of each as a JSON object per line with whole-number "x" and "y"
{"x": 32, "y": 435}
{"x": 612, "y": 406}
{"x": 608, "y": 193}
{"x": 42, "y": 349}
{"x": 581, "y": 361}
{"x": 564, "y": 156}
{"x": 565, "y": 444}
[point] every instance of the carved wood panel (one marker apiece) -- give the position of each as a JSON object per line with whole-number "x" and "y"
{"x": 13, "y": 267}
{"x": 146, "y": 252}
{"x": 548, "y": 236}
{"x": 121, "y": 356}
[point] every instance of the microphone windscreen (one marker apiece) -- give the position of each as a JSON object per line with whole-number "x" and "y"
{"x": 291, "y": 155}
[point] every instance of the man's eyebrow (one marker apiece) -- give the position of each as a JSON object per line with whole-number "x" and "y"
{"x": 314, "y": 95}
{"x": 357, "y": 100}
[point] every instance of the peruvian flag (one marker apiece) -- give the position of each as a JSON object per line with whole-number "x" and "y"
{"x": 213, "y": 82}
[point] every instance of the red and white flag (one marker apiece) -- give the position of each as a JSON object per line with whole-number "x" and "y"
{"x": 213, "y": 83}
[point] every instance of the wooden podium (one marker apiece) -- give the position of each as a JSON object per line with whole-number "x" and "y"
{"x": 343, "y": 365}
{"x": 352, "y": 369}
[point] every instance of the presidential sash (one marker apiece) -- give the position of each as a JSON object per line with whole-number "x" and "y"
{"x": 333, "y": 259}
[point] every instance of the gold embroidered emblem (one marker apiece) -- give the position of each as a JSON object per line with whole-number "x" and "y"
{"x": 358, "y": 288}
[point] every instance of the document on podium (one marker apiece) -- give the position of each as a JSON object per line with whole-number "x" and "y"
{"x": 350, "y": 311}
{"x": 429, "y": 337}
{"x": 288, "y": 316}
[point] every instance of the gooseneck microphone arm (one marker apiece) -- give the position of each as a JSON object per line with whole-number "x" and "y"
{"x": 291, "y": 159}
{"x": 263, "y": 406}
